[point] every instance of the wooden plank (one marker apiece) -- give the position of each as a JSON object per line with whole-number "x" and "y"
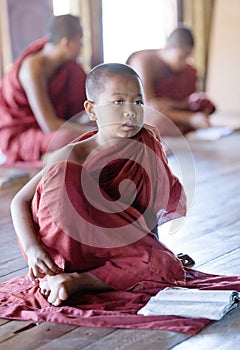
{"x": 12, "y": 262}
{"x": 128, "y": 339}
{"x": 7, "y": 231}
{"x": 31, "y": 338}
{"x": 204, "y": 159}
{"x": 205, "y": 247}
{"x": 17, "y": 272}
{"x": 140, "y": 340}
{"x": 226, "y": 264}
{"x": 9, "y": 265}
{"x": 214, "y": 216}
{"x": 8, "y": 329}
{"x": 220, "y": 335}
{"x": 78, "y": 338}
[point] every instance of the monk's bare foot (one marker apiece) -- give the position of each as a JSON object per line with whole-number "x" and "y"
{"x": 44, "y": 288}
{"x": 59, "y": 287}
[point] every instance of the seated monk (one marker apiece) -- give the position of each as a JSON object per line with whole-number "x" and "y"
{"x": 170, "y": 85}
{"x": 44, "y": 89}
{"x": 88, "y": 220}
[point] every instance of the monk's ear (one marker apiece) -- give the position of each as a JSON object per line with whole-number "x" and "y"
{"x": 64, "y": 41}
{"x": 89, "y": 108}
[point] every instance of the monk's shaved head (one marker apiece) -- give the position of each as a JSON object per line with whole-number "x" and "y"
{"x": 63, "y": 26}
{"x": 181, "y": 37}
{"x": 96, "y": 80}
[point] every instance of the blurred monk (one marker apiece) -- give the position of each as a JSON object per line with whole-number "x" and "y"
{"x": 45, "y": 88}
{"x": 169, "y": 82}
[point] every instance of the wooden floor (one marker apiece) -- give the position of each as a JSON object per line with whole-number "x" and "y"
{"x": 210, "y": 234}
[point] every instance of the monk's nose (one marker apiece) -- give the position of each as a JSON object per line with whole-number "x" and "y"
{"x": 130, "y": 110}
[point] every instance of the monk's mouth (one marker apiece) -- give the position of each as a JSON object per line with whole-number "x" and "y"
{"x": 128, "y": 126}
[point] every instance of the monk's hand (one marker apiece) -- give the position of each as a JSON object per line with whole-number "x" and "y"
{"x": 199, "y": 121}
{"x": 40, "y": 263}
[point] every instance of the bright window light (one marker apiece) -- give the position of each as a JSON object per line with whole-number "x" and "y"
{"x": 132, "y": 25}
{"x": 61, "y": 7}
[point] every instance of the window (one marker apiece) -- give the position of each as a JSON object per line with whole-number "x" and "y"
{"x": 131, "y": 25}
{"x": 61, "y": 7}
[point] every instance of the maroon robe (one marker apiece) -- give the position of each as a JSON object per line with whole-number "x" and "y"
{"x": 90, "y": 218}
{"x": 21, "y": 138}
{"x": 181, "y": 86}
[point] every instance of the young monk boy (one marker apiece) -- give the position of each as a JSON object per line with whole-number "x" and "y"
{"x": 88, "y": 220}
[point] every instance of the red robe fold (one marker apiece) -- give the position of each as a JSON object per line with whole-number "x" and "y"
{"x": 182, "y": 86}
{"x": 20, "y": 135}
{"x": 106, "y": 211}
{"x": 99, "y": 217}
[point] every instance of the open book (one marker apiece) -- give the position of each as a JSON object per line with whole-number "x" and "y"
{"x": 193, "y": 303}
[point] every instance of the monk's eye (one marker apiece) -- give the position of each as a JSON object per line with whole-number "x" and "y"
{"x": 139, "y": 102}
{"x": 118, "y": 102}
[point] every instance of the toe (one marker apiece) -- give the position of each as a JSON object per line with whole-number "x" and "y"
{"x": 57, "y": 302}
{"x": 63, "y": 295}
{"x": 53, "y": 296}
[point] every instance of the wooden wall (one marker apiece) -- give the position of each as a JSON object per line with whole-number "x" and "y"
{"x": 27, "y": 22}
{"x": 223, "y": 82}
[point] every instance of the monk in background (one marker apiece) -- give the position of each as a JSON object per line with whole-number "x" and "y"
{"x": 45, "y": 87}
{"x": 170, "y": 85}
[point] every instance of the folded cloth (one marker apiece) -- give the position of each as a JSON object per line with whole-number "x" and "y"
{"x": 20, "y": 300}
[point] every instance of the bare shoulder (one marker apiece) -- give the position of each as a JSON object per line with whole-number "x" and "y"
{"x": 145, "y": 62}
{"x": 143, "y": 56}
{"x": 35, "y": 65}
{"x": 31, "y": 68}
{"x": 61, "y": 155}
{"x": 78, "y": 151}
{"x": 33, "y": 61}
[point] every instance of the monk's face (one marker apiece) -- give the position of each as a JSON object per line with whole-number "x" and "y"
{"x": 119, "y": 111}
{"x": 74, "y": 46}
{"x": 178, "y": 58}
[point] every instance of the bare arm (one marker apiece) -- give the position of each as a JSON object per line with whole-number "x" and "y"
{"x": 21, "y": 214}
{"x": 39, "y": 261}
